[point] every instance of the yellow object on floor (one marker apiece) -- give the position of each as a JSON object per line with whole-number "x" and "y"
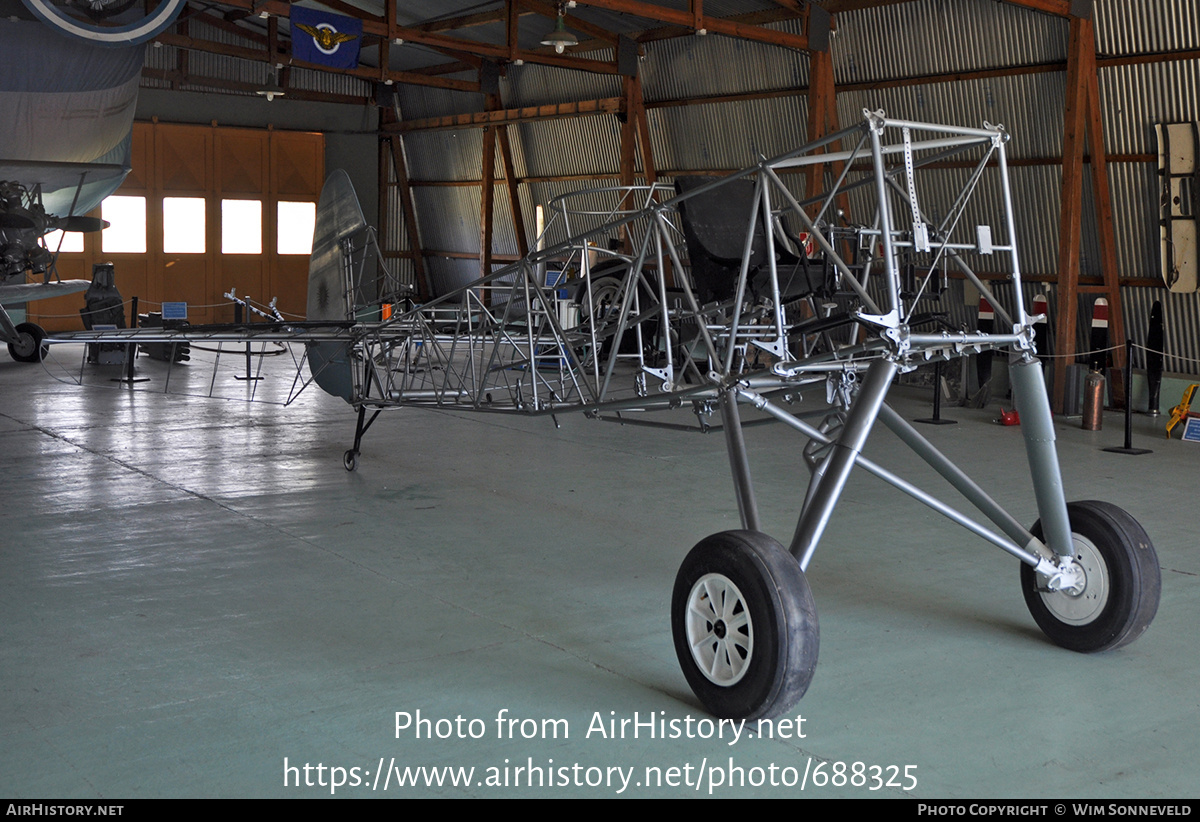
{"x": 1181, "y": 411}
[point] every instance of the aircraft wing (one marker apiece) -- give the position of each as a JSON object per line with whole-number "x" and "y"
{"x": 28, "y": 292}
{"x": 59, "y": 182}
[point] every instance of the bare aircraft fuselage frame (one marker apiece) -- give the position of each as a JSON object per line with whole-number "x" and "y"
{"x": 630, "y": 331}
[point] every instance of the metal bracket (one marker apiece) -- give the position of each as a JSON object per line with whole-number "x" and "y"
{"x": 1063, "y": 574}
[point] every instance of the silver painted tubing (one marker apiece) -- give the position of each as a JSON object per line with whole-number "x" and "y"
{"x": 1037, "y": 427}
{"x": 738, "y": 462}
{"x": 744, "y": 273}
{"x": 954, "y": 475}
{"x": 824, "y": 495}
{"x": 1011, "y": 225}
{"x": 953, "y": 256}
{"x": 822, "y": 243}
{"x": 979, "y": 133}
{"x": 765, "y": 405}
{"x": 891, "y": 272}
{"x": 845, "y": 156}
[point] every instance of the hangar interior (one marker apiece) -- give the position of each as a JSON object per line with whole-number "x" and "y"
{"x": 198, "y": 598}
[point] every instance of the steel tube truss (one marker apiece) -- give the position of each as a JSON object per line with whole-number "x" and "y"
{"x": 640, "y": 299}
{"x": 726, "y": 293}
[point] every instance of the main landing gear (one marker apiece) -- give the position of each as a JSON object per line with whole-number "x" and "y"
{"x": 745, "y": 625}
{"x": 742, "y": 615}
{"x": 1121, "y": 585}
{"x": 28, "y": 346}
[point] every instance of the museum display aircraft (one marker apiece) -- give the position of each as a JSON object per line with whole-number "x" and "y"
{"x": 701, "y": 296}
{"x": 25, "y": 221}
{"x": 64, "y": 146}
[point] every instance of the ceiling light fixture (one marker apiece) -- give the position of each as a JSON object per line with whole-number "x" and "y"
{"x": 271, "y": 89}
{"x": 560, "y": 38}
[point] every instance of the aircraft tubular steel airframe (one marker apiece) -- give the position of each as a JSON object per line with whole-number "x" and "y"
{"x": 638, "y": 330}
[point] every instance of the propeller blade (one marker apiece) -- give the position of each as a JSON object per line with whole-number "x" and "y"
{"x": 83, "y": 224}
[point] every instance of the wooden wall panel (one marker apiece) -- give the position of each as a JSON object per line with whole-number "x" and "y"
{"x": 183, "y": 159}
{"x": 298, "y": 165}
{"x": 242, "y": 163}
{"x": 173, "y": 160}
{"x": 297, "y": 175}
{"x": 242, "y": 173}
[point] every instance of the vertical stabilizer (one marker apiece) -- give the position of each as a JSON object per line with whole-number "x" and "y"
{"x": 331, "y": 285}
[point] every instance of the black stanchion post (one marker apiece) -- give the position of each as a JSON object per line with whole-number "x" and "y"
{"x": 131, "y": 348}
{"x": 936, "y": 419}
{"x": 1128, "y": 447}
{"x": 237, "y": 318}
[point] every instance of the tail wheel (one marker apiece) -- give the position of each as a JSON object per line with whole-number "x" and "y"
{"x": 745, "y": 626}
{"x": 1122, "y": 588}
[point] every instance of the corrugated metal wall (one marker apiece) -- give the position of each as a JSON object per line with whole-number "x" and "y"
{"x": 907, "y": 40}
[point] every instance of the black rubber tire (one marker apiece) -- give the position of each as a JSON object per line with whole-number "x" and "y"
{"x": 1130, "y": 582}
{"x": 605, "y": 287}
{"x": 31, "y": 348}
{"x": 350, "y": 460}
{"x": 777, "y": 650}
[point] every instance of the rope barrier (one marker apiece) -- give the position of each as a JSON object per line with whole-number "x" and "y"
{"x": 1147, "y": 349}
{"x": 1076, "y": 355}
{"x": 128, "y": 302}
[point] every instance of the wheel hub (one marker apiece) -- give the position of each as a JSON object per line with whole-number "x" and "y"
{"x": 1081, "y": 603}
{"x": 25, "y": 345}
{"x": 719, "y": 632}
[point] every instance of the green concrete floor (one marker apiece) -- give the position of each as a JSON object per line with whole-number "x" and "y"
{"x": 194, "y": 593}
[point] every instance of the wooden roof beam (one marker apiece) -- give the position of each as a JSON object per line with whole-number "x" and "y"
{"x": 711, "y": 25}
{"x": 481, "y": 119}
{"x": 455, "y": 45}
{"x": 349, "y": 10}
{"x": 464, "y": 21}
{"x": 265, "y": 56}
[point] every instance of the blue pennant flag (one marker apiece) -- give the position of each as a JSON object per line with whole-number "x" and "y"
{"x": 329, "y": 39}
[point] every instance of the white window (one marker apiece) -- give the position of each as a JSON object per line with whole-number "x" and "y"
{"x": 295, "y": 227}
{"x": 72, "y": 242}
{"x": 126, "y": 233}
{"x": 183, "y": 225}
{"x": 241, "y": 227}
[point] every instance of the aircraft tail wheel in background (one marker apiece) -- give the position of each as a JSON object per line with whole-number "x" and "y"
{"x": 350, "y": 460}
{"x": 606, "y": 291}
{"x": 1123, "y": 582}
{"x": 29, "y": 347}
{"x": 745, "y": 626}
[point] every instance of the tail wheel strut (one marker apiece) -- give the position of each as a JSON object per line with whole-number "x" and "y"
{"x": 350, "y": 458}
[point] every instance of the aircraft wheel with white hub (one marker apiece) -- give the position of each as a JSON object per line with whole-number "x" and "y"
{"x": 605, "y": 295}
{"x": 1122, "y": 582}
{"x": 28, "y": 347}
{"x": 745, "y": 626}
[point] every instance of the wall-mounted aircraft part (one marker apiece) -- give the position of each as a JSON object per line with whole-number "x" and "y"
{"x": 1179, "y": 204}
